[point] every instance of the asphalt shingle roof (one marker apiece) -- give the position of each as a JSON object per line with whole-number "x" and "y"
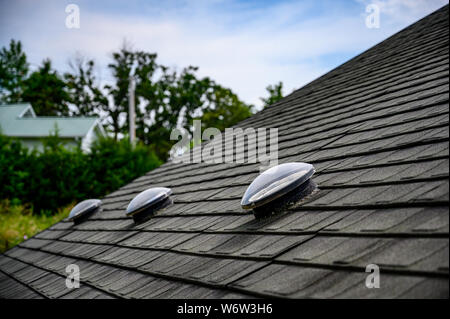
{"x": 375, "y": 128}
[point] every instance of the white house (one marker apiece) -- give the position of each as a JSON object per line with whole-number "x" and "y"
{"x": 20, "y": 121}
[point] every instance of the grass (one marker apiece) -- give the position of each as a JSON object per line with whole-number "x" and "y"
{"x": 18, "y": 223}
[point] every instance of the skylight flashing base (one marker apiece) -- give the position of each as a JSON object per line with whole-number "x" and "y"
{"x": 147, "y": 212}
{"x": 84, "y": 217}
{"x": 293, "y": 197}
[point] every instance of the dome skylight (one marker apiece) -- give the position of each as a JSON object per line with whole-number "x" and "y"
{"x": 148, "y": 202}
{"x": 277, "y": 182}
{"x": 84, "y": 209}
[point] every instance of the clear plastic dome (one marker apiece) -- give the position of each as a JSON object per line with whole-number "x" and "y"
{"x": 83, "y": 208}
{"x": 276, "y": 182}
{"x": 147, "y": 199}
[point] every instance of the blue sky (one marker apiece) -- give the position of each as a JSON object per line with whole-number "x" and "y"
{"x": 244, "y": 45}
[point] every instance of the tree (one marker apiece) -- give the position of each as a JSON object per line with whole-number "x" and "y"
{"x": 275, "y": 94}
{"x": 86, "y": 97}
{"x": 126, "y": 64}
{"x": 46, "y": 91}
{"x": 13, "y": 72}
{"x": 224, "y": 109}
{"x": 178, "y": 98}
{"x": 166, "y": 99}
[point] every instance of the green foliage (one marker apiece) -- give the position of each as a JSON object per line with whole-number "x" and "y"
{"x": 44, "y": 88}
{"x": 46, "y": 91}
{"x": 275, "y": 94}
{"x": 18, "y": 223}
{"x": 85, "y": 95}
{"x": 57, "y": 176}
{"x": 126, "y": 64}
{"x": 224, "y": 109}
{"x": 13, "y": 72}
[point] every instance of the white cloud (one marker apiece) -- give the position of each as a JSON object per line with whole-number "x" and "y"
{"x": 242, "y": 46}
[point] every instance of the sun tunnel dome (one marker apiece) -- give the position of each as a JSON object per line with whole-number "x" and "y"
{"x": 148, "y": 202}
{"x": 84, "y": 209}
{"x": 279, "y": 184}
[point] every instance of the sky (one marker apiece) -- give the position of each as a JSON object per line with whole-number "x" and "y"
{"x": 243, "y": 45}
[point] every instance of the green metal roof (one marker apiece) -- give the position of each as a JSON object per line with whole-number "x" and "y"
{"x": 12, "y": 124}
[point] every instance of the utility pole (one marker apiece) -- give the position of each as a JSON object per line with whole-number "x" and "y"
{"x": 131, "y": 112}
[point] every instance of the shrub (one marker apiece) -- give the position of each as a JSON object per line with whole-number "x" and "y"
{"x": 57, "y": 177}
